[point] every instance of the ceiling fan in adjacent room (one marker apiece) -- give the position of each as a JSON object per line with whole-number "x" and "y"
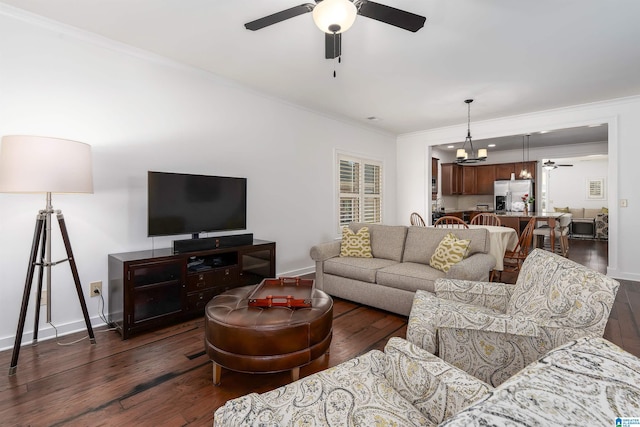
{"x": 551, "y": 165}
{"x": 334, "y": 17}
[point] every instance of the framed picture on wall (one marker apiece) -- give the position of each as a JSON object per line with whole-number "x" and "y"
{"x": 595, "y": 188}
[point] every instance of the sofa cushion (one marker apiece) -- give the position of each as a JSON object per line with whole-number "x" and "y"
{"x": 591, "y": 213}
{"x": 363, "y": 269}
{"x": 409, "y": 276}
{"x": 356, "y": 244}
{"x": 577, "y": 213}
{"x": 450, "y": 251}
{"x": 423, "y": 241}
{"x": 387, "y": 241}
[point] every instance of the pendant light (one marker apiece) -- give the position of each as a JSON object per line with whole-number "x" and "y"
{"x": 524, "y": 173}
{"x": 461, "y": 154}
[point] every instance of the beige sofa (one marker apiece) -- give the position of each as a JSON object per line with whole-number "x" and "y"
{"x": 583, "y": 222}
{"x": 587, "y": 382}
{"x": 399, "y": 267}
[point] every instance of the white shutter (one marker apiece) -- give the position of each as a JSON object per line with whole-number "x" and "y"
{"x": 360, "y": 191}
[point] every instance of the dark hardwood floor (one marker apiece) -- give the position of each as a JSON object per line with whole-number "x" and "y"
{"x": 163, "y": 378}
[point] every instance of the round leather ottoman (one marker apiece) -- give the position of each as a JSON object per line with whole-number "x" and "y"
{"x": 274, "y": 339}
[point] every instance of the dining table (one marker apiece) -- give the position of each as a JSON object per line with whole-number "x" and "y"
{"x": 501, "y": 239}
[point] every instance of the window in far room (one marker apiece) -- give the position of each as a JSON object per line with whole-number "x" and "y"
{"x": 360, "y": 190}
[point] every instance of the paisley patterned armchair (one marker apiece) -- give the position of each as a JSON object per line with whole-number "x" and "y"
{"x": 493, "y": 330}
{"x": 404, "y": 386}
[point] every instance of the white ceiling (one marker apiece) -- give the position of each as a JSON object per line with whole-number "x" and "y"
{"x": 511, "y": 56}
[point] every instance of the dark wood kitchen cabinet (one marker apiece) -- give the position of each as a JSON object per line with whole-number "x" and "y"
{"x": 451, "y": 179}
{"x": 504, "y": 170}
{"x": 485, "y": 176}
{"x": 469, "y": 180}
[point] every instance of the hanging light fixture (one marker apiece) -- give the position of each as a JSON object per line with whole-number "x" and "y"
{"x": 461, "y": 154}
{"x": 525, "y": 173}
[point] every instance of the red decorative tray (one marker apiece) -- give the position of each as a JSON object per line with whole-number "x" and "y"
{"x": 292, "y": 292}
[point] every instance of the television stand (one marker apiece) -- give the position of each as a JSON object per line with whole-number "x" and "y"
{"x": 157, "y": 288}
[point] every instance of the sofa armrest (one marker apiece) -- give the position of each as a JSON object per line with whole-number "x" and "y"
{"x": 434, "y": 387}
{"x": 475, "y": 267}
{"x": 324, "y": 251}
{"x": 487, "y": 294}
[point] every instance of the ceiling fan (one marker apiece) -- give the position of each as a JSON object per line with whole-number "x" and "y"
{"x": 336, "y": 16}
{"x": 551, "y": 165}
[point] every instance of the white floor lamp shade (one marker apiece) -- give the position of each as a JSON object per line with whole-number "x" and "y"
{"x": 35, "y": 164}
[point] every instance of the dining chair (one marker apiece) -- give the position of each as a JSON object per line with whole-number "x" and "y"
{"x": 561, "y": 232}
{"x": 486, "y": 219}
{"x": 450, "y": 222}
{"x": 513, "y": 259}
{"x": 416, "y": 219}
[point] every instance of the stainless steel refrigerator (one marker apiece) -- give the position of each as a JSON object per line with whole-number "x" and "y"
{"x": 508, "y": 194}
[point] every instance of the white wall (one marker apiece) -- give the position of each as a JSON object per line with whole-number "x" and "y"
{"x": 139, "y": 113}
{"x": 568, "y": 185}
{"x": 621, "y": 115}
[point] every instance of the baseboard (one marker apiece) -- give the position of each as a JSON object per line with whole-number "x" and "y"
{"x": 616, "y": 274}
{"x": 298, "y": 272}
{"x": 47, "y": 332}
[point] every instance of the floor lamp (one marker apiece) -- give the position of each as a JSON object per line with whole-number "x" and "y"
{"x": 33, "y": 164}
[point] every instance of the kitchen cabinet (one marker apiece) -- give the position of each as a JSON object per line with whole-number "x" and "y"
{"x": 485, "y": 176}
{"x": 451, "y": 179}
{"x": 434, "y": 178}
{"x": 504, "y": 170}
{"x": 469, "y": 180}
{"x": 478, "y": 180}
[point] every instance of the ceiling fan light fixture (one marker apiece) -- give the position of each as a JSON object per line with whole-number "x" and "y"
{"x": 334, "y": 16}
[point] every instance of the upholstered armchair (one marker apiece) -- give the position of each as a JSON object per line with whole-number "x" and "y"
{"x": 404, "y": 386}
{"x": 492, "y": 330}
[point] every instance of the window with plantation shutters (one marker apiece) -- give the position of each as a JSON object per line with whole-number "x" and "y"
{"x": 360, "y": 189}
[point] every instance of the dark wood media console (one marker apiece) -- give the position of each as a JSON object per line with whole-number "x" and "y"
{"x": 155, "y": 288}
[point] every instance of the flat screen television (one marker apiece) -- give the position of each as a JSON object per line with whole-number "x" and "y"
{"x": 190, "y": 204}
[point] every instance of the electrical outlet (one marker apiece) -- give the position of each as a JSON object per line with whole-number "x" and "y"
{"x": 624, "y": 203}
{"x": 43, "y": 297}
{"x": 95, "y": 288}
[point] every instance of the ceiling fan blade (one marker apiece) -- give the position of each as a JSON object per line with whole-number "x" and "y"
{"x": 565, "y": 165}
{"x": 279, "y": 16}
{"x": 392, "y": 16}
{"x": 332, "y": 45}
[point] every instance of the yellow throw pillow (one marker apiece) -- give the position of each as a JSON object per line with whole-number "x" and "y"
{"x": 356, "y": 244}
{"x": 565, "y": 210}
{"x": 605, "y": 210}
{"x": 450, "y": 251}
